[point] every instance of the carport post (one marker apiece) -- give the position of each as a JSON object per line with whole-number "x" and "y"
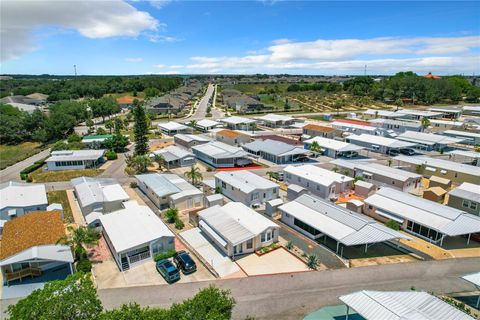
{"x": 366, "y": 247}
{"x": 478, "y": 303}
{"x": 468, "y": 239}
{"x": 337, "y": 247}
{"x": 348, "y": 311}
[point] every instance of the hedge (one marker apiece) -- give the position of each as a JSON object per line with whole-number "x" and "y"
{"x": 84, "y": 265}
{"x": 165, "y": 255}
{"x": 36, "y": 165}
{"x": 111, "y": 155}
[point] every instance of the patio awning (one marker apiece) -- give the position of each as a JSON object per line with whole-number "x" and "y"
{"x": 212, "y": 233}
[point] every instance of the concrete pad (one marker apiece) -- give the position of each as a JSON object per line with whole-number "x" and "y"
{"x": 76, "y": 212}
{"x": 220, "y": 262}
{"x": 428, "y": 248}
{"x": 277, "y": 261}
{"x": 381, "y": 260}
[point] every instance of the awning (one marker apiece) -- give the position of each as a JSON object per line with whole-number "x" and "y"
{"x": 430, "y": 169}
{"x": 389, "y": 216}
{"x": 205, "y": 227}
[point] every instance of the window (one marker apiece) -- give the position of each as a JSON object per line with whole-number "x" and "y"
{"x": 298, "y": 179}
{"x": 302, "y": 225}
{"x": 250, "y": 244}
{"x": 465, "y": 203}
{"x": 224, "y": 185}
{"x": 255, "y": 196}
{"x": 473, "y": 205}
{"x": 262, "y": 237}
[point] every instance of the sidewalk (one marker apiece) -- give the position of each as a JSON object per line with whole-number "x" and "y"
{"x": 76, "y": 212}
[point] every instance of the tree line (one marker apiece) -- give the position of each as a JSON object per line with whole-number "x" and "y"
{"x": 65, "y": 88}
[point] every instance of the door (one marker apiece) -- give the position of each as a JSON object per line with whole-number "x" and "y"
{"x": 238, "y": 249}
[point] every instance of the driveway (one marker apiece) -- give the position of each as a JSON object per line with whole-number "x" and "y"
{"x": 218, "y": 260}
{"x": 277, "y": 261}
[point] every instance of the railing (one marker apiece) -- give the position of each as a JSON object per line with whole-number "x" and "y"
{"x": 139, "y": 257}
{"x": 19, "y": 275}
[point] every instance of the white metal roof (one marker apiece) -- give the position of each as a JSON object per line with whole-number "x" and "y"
{"x": 401, "y": 305}
{"x": 468, "y": 191}
{"x": 219, "y": 150}
{"x": 206, "y": 123}
{"x": 380, "y": 113}
{"x": 380, "y": 141}
{"x": 271, "y": 117}
{"x": 75, "y": 155}
{"x": 245, "y": 180}
{"x": 172, "y": 153}
{"x": 20, "y": 195}
{"x": 353, "y": 126}
{"x": 473, "y": 278}
{"x": 420, "y": 113}
{"x": 97, "y": 190}
{"x": 276, "y": 148}
{"x": 411, "y": 124}
{"x": 172, "y": 125}
{"x": 168, "y": 185}
{"x": 191, "y": 137}
{"x": 133, "y": 226}
{"x": 452, "y": 109}
{"x": 61, "y": 253}
{"x": 462, "y": 133}
{"x": 332, "y": 144}
{"x": 447, "y": 220}
{"x": 343, "y": 225}
{"x": 440, "y": 163}
{"x": 427, "y": 138}
{"x": 237, "y": 120}
{"x": 235, "y": 222}
{"x": 449, "y": 122}
{"x": 317, "y": 175}
{"x": 380, "y": 169}
{"x": 466, "y": 153}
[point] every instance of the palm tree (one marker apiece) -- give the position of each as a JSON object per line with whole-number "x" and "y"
{"x": 193, "y": 123}
{"x": 78, "y": 238}
{"x": 390, "y": 162}
{"x": 312, "y": 262}
{"x": 425, "y": 123}
{"x": 253, "y": 127}
{"x": 160, "y": 160}
{"x": 194, "y": 175}
{"x": 141, "y": 163}
{"x": 315, "y": 147}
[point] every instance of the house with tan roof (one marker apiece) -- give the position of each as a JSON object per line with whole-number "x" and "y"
{"x": 314, "y": 130}
{"x": 30, "y": 253}
{"x": 231, "y": 137}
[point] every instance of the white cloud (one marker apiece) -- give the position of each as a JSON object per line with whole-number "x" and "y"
{"x": 162, "y": 38}
{"x": 159, "y": 3}
{"x": 134, "y": 59}
{"x": 381, "y": 55}
{"x": 92, "y": 19}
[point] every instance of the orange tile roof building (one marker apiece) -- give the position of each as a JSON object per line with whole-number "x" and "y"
{"x": 233, "y": 138}
{"x": 30, "y": 247}
{"x": 314, "y": 130}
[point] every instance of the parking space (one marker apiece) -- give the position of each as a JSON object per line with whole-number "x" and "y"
{"x": 277, "y": 261}
{"x": 220, "y": 262}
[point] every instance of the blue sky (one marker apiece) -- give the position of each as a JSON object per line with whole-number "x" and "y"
{"x": 296, "y": 37}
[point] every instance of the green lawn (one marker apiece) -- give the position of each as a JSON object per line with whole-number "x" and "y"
{"x": 64, "y": 175}
{"x": 61, "y": 197}
{"x": 12, "y": 154}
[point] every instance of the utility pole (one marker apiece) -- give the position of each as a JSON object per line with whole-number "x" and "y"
{"x": 75, "y": 69}
{"x": 365, "y": 71}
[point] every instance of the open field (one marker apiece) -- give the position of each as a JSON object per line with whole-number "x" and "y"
{"x": 12, "y": 154}
{"x": 66, "y": 175}
{"x": 61, "y": 197}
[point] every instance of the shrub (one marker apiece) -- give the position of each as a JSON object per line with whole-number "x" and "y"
{"x": 392, "y": 224}
{"x": 289, "y": 245}
{"x": 133, "y": 184}
{"x": 111, "y": 155}
{"x": 165, "y": 255}
{"x": 171, "y": 215}
{"x": 36, "y": 165}
{"x": 312, "y": 262}
{"x": 84, "y": 265}
{"x": 179, "y": 224}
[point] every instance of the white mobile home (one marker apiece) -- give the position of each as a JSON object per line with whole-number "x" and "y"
{"x": 16, "y": 199}
{"x": 466, "y": 137}
{"x": 276, "y": 120}
{"x": 221, "y": 155}
{"x": 75, "y": 159}
{"x": 174, "y": 157}
{"x": 428, "y": 141}
{"x": 317, "y": 218}
{"x": 397, "y": 126}
{"x": 321, "y": 182}
{"x": 237, "y": 229}
{"x": 206, "y": 124}
{"x": 239, "y": 123}
{"x": 172, "y": 128}
{"x": 334, "y": 148}
{"x": 246, "y": 187}
{"x": 378, "y": 144}
{"x": 276, "y": 151}
{"x": 135, "y": 234}
{"x": 100, "y": 195}
{"x": 190, "y": 140}
{"x": 465, "y": 197}
{"x": 426, "y": 219}
{"x": 170, "y": 190}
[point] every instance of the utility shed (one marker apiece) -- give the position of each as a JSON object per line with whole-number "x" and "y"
{"x": 436, "y": 181}
{"x": 355, "y": 205}
{"x": 436, "y": 194}
{"x": 399, "y": 305}
{"x": 294, "y": 191}
{"x": 271, "y": 207}
{"x": 213, "y": 200}
{"x": 364, "y": 189}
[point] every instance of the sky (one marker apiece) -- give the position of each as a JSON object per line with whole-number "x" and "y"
{"x": 115, "y": 37}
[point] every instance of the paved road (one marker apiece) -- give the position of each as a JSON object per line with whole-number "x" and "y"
{"x": 203, "y": 104}
{"x": 292, "y": 296}
{"x": 13, "y": 172}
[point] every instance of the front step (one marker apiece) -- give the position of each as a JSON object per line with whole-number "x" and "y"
{"x": 125, "y": 266}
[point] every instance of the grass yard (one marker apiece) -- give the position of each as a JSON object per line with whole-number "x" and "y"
{"x": 12, "y": 154}
{"x": 259, "y": 88}
{"x": 65, "y": 175}
{"x": 61, "y": 197}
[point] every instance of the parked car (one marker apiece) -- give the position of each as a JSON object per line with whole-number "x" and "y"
{"x": 393, "y": 152}
{"x": 408, "y": 152}
{"x": 168, "y": 270}
{"x": 184, "y": 262}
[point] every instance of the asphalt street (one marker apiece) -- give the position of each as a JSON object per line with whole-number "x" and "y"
{"x": 13, "y": 172}
{"x": 292, "y": 296}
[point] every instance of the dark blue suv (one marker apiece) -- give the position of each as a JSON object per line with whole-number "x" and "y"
{"x": 168, "y": 270}
{"x": 185, "y": 262}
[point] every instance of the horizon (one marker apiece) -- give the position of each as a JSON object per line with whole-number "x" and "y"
{"x": 239, "y": 37}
